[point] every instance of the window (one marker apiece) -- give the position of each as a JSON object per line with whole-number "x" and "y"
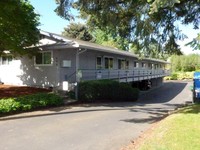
{"x": 127, "y": 64}
{"x": 123, "y": 64}
{"x": 136, "y": 64}
{"x": 43, "y": 58}
{"x": 150, "y": 65}
{"x": 108, "y": 63}
{"x": 155, "y": 66}
{"x": 98, "y": 63}
{"x": 143, "y": 65}
{"x": 5, "y": 60}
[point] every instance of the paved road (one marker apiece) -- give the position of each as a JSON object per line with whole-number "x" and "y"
{"x": 100, "y": 127}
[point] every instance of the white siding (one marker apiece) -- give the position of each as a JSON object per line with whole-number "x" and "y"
{"x": 11, "y": 73}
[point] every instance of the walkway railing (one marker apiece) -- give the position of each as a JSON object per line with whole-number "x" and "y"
{"x": 123, "y": 75}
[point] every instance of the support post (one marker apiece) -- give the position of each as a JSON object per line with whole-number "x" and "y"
{"x": 77, "y": 80}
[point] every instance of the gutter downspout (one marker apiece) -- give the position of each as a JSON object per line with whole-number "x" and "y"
{"x": 77, "y": 67}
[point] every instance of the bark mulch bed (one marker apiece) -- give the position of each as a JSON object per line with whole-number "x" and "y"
{"x": 7, "y": 91}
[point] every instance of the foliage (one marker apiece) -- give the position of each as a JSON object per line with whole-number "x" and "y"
{"x": 99, "y": 90}
{"x": 142, "y": 22}
{"x": 180, "y": 76}
{"x": 29, "y": 102}
{"x": 173, "y": 130}
{"x": 185, "y": 63}
{"x": 195, "y": 43}
{"x": 107, "y": 38}
{"x": 63, "y": 9}
{"x": 157, "y": 4}
{"x": 174, "y": 76}
{"x": 184, "y": 66}
{"x": 82, "y": 32}
{"x": 155, "y": 50}
{"x": 77, "y": 31}
{"x": 18, "y": 26}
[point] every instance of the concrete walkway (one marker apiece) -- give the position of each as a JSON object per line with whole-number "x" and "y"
{"x": 97, "y": 127}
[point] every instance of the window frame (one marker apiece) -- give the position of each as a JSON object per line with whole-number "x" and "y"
{"x": 110, "y": 63}
{"x": 97, "y": 65}
{"x": 43, "y": 64}
{"x": 143, "y": 65}
{"x": 136, "y": 64}
{"x": 127, "y": 64}
{"x": 122, "y": 63}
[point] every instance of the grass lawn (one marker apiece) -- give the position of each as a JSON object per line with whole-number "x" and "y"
{"x": 179, "y": 131}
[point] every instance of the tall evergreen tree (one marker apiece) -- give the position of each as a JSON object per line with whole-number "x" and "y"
{"x": 77, "y": 31}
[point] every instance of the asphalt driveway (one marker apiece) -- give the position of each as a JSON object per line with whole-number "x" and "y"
{"x": 97, "y": 127}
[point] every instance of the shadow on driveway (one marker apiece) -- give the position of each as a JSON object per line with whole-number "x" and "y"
{"x": 161, "y": 95}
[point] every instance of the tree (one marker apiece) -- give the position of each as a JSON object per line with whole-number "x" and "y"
{"x": 139, "y": 21}
{"x": 195, "y": 43}
{"x": 107, "y": 38}
{"x": 82, "y": 32}
{"x": 77, "y": 31}
{"x": 18, "y": 26}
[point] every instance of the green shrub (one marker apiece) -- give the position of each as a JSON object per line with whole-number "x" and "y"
{"x": 71, "y": 94}
{"x": 9, "y": 105}
{"x": 180, "y": 76}
{"x": 100, "y": 90}
{"x": 167, "y": 78}
{"x": 29, "y": 102}
{"x": 174, "y": 76}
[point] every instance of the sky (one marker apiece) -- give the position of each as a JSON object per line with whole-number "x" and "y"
{"x": 49, "y": 20}
{"x": 53, "y": 23}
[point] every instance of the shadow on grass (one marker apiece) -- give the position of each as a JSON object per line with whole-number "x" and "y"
{"x": 191, "y": 109}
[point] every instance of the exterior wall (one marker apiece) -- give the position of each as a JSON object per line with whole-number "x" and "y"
{"x": 149, "y": 69}
{"x": 23, "y": 71}
{"x": 42, "y": 76}
{"x": 88, "y": 59}
{"x": 11, "y": 73}
{"x": 66, "y": 73}
{"x": 87, "y": 65}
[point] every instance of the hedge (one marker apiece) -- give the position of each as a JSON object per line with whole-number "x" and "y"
{"x": 106, "y": 90}
{"x": 29, "y": 102}
{"x": 180, "y": 76}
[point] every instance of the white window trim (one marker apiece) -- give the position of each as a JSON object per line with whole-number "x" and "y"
{"x": 136, "y": 64}
{"x": 121, "y": 59}
{"x": 44, "y": 64}
{"x": 125, "y": 67}
{"x": 101, "y": 62}
{"x": 108, "y": 58}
